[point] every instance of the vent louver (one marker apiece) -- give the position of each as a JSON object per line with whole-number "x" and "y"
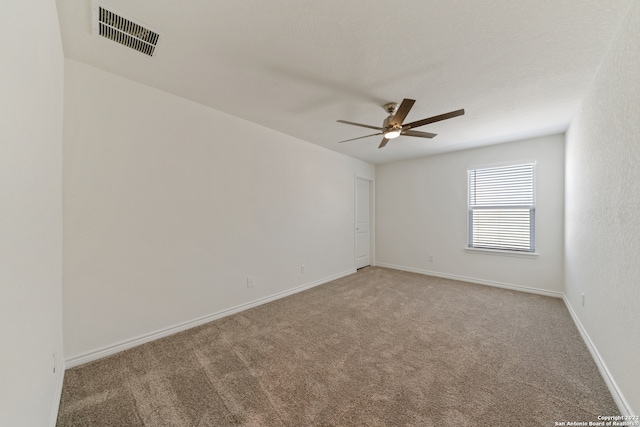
{"x": 124, "y": 31}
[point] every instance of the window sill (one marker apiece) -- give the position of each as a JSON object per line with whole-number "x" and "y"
{"x": 503, "y": 253}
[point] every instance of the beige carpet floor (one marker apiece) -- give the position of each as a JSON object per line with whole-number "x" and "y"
{"x": 377, "y": 348}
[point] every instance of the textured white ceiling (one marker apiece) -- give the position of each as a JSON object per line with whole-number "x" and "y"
{"x": 518, "y": 68}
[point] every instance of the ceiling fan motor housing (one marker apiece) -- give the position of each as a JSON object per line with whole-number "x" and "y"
{"x": 387, "y": 123}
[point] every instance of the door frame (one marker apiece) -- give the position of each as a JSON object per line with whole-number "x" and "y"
{"x": 372, "y": 220}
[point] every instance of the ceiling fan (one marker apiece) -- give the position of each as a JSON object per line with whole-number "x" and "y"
{"x": 392, "y": 127}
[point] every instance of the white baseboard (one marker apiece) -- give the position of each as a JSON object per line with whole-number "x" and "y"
{"x": 130, "y": 343}
{"x": 474, "y": 280}
{"x": 58, "y": 395}
{"x": 616, "y": 393}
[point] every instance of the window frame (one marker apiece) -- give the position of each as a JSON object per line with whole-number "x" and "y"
{"x": 532, "y": 251}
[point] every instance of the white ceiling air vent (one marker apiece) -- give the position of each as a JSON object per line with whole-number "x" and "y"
{"x": 124, "y": 30}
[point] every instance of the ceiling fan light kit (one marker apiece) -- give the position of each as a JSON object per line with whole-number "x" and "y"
{"x": 393, "y": 126}
{"x": 393, "y": 133}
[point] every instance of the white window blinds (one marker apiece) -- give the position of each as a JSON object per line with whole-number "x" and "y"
{"x": 502, "y": 208}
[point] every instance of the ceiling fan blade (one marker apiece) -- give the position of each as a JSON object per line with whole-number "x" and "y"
{"x": 402, "y": 112}
{"x": 360, "y": 137}
{"x": 359, "y": 124}
{"x": 418, "y": 134}
{"x": 383, "y": 143}
{"x": 433, "y": 119}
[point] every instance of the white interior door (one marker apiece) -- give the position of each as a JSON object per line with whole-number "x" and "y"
{"x": 363, "y": 223}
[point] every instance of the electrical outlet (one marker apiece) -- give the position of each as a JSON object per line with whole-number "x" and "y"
{"x": 250, "y": 281}
{"x": 302, "y": 268}
{"x": 431, "y": 258}
{"x": 583, "y": 300}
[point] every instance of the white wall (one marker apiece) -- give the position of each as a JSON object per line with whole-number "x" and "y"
{"x": 602, "y": 203}
{"x": 169, "y": 206}
{"x": 421, "y": 210}
{"x": 31, "y": 76}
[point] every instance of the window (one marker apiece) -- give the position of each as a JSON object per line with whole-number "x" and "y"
{"x": 502, "y": 208}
